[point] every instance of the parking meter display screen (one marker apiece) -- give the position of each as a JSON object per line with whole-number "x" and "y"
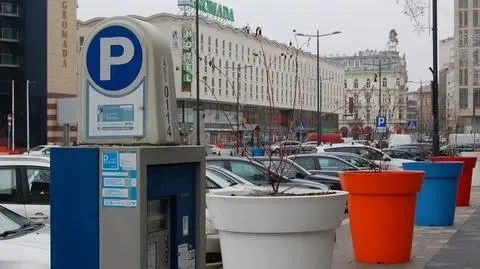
{"x": 157, "y": 212}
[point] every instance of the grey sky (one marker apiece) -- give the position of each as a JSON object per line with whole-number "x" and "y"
{"x": 365, "y": 23}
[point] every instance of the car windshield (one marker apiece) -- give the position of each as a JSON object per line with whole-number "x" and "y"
{"x": 11, "y": 221}
{"x": 288, "y": 169}
{"x": 400, "y": 154}
{"x": 37, "y": 148}
{"x": 223, "y": 177}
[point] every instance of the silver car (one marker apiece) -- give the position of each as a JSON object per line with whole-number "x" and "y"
{"x": 23, "y": 243}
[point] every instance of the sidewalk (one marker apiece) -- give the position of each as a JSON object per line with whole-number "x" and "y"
{"x": 451, "y": 247}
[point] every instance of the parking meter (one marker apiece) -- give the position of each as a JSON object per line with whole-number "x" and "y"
{"x": 129, "y": 196}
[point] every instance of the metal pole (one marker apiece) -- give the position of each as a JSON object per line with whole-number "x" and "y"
{"x": 28, "y": 115}
{"x": 13, "y": 115}
{"x": 238, "y": 107}
{"x": 420, "y": 125}
{"x": 319, "y": 126}
{"x": 380, "y": 86}
{"x": 436, "y": 138}
{"x": 66, "y": 134}
{"x": 197, "y": 71}
{"x": 474, "y": 121}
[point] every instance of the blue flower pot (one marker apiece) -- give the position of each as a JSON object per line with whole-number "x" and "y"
{"x": 436, "y": 201}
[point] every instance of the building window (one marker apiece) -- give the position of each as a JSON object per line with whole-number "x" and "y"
{"x": 216, "y": 46}
{"x": 213, "y": 86}
{"x": 209, "y": 44}
{"x": 476, "y": 21}
{"x": 463, "y": 77}
{"x": 397, "y": 82}
{"x": 475, "y": 78}
{"x": 476, "y": 97}
{"x": 476, "y": 59}
{"x": 243, "y": 53}
{"x": 463, "y": 3}
{"x": 230, "y": 49}
{"x": 236, "y": 51}
{"x": 220, "y": 87}
{"x": 475, "y": 4}
{"x": 384, "y": 82}
{"x": 355, "y": 84}
{"x": 201, "y": 42}
{"x": 368, "y": 83}
{"x": 463, "y": 19}
{"x": 463, "y": 58}
{"x": 463, "y": 99}
{"x": 223, "y": 47}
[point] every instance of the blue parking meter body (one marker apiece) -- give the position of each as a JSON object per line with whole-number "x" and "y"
{"x": 129, "y": 196}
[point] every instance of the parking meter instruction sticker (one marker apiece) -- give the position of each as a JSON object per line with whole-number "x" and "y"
{"x": 119, "y": 179}
{"x": 110, "y": 160}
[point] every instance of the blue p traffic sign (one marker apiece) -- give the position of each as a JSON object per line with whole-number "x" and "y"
{"x": 110, "y": 160}
{"x": 114, "y": 58}
{"x": 412, "y": 125}
{"x": 381, "y": 122}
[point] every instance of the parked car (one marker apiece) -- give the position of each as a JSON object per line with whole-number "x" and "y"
{"x": 450, "y": 150}
{"x": 286, "y": 147}
{"x": 256, "y": 172}
{"x": 212, "y": 150}
{"x": 25, "y": 186}
{"x": 309, "y": 145}
{"x": 221, "y": 178}
{"x": 419, "y": 150}
{"x": 401, "y": 139}
{"x": 356, "y": 160}
{"x": 367, "y": 152}
{"x": 23, "y": 243}
{"x": 40, "y": 150}
{"x": 402, "y": 154}
{"x": 322, "y": 164}
{"x": 292, "y": 170}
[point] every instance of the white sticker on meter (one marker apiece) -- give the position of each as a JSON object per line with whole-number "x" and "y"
{"x": 185, "y": 225}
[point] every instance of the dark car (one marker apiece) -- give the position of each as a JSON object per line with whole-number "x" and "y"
{"x": 255, "y": 172}
{"x": 322, "y": 164}
{"x": 356, "y": 160}
{"x": 403, "y": 154}
{"x": 420, "y": 150}
{"x": 291, "y": 169}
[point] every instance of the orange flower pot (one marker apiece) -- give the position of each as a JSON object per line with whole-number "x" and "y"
{"x": 382, "y": 213}
{"x": 465, "y": 180}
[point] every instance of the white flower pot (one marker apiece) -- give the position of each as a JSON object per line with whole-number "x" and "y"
{"x": 276, "y": 232}
{"x": 476, "y": 170}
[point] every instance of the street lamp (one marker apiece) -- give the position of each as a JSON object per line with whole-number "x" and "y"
{"x": 197, "y": 71}
{"x": 319, "y": 90}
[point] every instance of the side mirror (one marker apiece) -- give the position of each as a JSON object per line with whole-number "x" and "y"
{"x": 418, "y": 159}
{"x": 386, "y": 159}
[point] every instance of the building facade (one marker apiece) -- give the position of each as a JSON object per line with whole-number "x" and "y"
{"x": 276, "y": 83}
{"x": 37, "y": 44}
{"x": 368, "y": 75}
{"x": 467, "y": 63}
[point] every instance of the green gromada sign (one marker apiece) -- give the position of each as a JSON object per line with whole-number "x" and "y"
{"x": 210, "y": 7}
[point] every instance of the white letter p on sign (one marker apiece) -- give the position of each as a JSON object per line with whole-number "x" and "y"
{"x": 106, "y": 58}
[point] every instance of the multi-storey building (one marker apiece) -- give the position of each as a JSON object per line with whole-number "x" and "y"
{"x": 367, "y": 75}
{"x": 467, "y": 62}
{"x": 264, "y": 72}
{"x": 37, "y": 43}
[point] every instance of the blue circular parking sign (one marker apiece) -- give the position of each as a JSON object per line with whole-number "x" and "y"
{"x": 114, "y": 58}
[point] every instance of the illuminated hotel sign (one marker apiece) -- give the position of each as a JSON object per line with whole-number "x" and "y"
{"x": 209, "y": 7}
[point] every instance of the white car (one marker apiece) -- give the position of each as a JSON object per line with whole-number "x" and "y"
{"x": 25, "y": 186}
{"x": 41, "y": 150}
{"x": 23, "y": 244}
{"x": 370, "y": 153}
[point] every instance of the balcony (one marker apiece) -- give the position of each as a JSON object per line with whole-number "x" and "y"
{"x": 9, "y": 10}
{"x": 9, "y": 35}
{"x": 9, "y": 60}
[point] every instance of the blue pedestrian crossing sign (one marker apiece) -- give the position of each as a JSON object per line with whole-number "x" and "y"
{"x": 300, "y": 126}
{"x": 381, "y": 124}
{"x": 412, "y": 125}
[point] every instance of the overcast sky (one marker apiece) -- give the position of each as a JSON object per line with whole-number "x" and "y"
{"x": 365, "y": 23}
